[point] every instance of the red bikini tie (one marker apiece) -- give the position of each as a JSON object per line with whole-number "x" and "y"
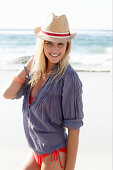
{"x": 56, "y": 155}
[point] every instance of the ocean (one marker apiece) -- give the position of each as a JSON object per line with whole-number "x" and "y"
{"x": 91, "y": 49}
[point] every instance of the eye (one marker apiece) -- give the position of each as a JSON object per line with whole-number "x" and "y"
{"x": 60, "y": 44}
{"x": 48, "y": 42}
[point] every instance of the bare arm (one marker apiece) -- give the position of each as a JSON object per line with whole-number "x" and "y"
{"x": 14, "y": 87}
{"x": 72, "y": 147}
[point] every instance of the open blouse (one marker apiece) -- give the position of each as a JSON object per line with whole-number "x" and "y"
{"x": 57, "y": 105}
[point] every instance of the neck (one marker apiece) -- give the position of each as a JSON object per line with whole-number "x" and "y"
{"x": 49, "y": 67}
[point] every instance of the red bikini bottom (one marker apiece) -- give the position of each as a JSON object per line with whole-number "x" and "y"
{"x": 55, "y": 155}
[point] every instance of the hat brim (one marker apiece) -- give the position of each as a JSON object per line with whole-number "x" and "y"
{"x": 42, "y": 36}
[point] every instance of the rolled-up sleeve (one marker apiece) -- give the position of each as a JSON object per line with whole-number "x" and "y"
{"x": 72, "y": 105}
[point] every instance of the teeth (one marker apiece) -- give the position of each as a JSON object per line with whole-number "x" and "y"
{"x": 54, "y": 55}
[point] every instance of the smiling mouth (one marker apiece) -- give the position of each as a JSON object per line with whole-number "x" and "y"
{"x": 53, "y": 55}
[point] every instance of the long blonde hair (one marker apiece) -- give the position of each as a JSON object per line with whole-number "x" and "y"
{"x": 39, "y": 64}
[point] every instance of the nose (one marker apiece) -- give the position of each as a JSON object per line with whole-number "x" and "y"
{"x": 54, "y": 48}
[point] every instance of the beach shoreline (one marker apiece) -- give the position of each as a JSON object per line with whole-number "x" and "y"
{"x": 10, "y": 66}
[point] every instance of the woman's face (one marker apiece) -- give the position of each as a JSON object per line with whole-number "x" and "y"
{"x": 54, "y": 51}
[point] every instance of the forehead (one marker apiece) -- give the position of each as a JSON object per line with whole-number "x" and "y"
{"x": 55, "y": 42}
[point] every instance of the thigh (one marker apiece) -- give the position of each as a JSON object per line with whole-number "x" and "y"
{"x": 47, "y": 164}
{"x": 30, "y": 163}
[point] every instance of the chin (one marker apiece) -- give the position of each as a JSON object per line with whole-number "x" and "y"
{"x": 54, "y": 61}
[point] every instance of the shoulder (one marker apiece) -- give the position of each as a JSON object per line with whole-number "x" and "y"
{"x": 70, "y": 74}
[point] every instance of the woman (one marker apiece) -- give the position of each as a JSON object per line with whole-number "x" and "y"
{"x": 52, "y": 99}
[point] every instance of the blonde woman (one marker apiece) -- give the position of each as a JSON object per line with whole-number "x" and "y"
{"x": 52, "y": 99}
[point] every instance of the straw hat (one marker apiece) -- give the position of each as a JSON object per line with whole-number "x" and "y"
{"x": 55, "y": 29}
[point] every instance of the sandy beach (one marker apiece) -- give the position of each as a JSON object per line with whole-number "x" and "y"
{"x": 95, "y": 143}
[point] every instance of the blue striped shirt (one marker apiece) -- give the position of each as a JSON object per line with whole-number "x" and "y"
{"x": 57, "y": 105}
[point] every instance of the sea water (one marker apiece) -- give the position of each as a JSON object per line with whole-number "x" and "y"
{"x": 91, "y": 49}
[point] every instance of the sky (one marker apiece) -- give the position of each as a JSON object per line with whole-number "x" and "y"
{"x": 81, "y": 14}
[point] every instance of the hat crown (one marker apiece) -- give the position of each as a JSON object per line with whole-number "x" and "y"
{"x": 55, "y": 29}
{"x": 57, "y": 24}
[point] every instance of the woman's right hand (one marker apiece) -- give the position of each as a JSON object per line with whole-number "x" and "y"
{"x": 13, "y": 88}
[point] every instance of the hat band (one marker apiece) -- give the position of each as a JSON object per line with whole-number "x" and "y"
{"x": 53, "y": 34}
